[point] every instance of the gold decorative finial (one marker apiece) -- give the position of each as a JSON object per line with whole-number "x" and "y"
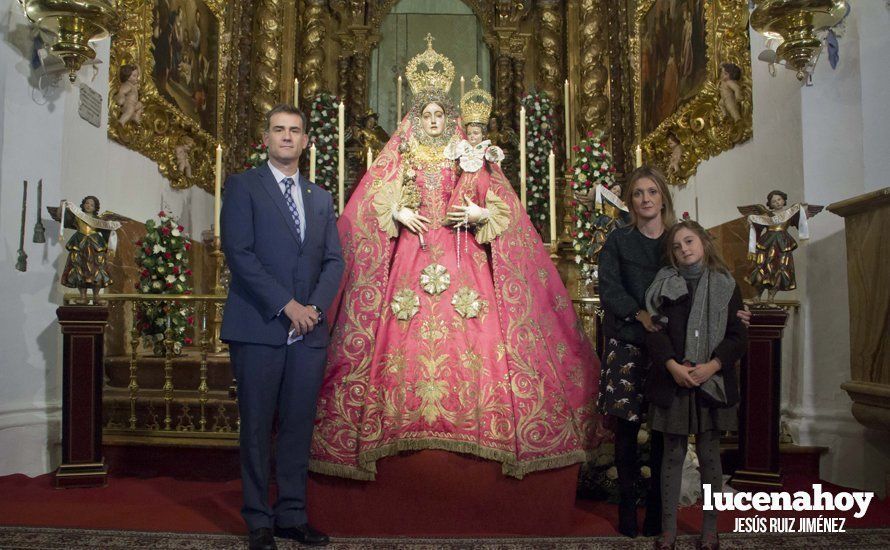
{"x": 430, "y": 70}
{"x": 475, "y": 105}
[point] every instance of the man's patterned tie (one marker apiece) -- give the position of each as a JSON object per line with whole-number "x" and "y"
{"x": 289, "y": 197}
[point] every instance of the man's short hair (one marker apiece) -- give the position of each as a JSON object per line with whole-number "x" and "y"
{"x": 290, "y": 109}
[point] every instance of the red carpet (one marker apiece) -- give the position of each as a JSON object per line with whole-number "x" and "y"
{"x": 406, "y": 500}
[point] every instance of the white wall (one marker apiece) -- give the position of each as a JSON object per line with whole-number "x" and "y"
{"x": 820, "y": 144}
{"x": 42, "y": 136}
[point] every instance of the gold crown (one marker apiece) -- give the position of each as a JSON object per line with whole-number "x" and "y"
{"x": 430, "y": 70}
{"x": 475, "y": 105}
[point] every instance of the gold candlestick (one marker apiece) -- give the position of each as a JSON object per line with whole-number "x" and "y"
{"x": 219, "y": 290}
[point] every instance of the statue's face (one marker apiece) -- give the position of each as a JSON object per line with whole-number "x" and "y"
{"x": 776, "y": 202}
{"x": 433, "y": 120}
{"x": 474, "y": 134}
{"x": 89, "y": 206}
{"x": 134, "y": 76}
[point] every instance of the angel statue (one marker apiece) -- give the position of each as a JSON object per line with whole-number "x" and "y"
{"x": 457, "y": 340}
{"x": 89, "y": 249}
{"x": 770, "y": 245}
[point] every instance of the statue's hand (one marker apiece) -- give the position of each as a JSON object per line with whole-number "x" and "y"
{"x": 472, "y": 213}
{"x": 586, "y": 198}
{"x": 411, "y": 219}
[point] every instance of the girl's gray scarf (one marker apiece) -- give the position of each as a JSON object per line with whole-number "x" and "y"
{"x": 710, "y": 303}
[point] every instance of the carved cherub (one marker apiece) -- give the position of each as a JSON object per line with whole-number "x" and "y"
{"x": 128, "y": 95}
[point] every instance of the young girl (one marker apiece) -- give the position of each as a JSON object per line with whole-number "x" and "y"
{"x": 693, "y": 388}
{"x": 628, "y": 262}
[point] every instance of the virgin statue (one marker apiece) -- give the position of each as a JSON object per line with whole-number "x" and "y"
{"x": 463, "y": 341}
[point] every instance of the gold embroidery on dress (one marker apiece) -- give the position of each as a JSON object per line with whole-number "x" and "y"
{"x": 405, "y": 304}
{"x": 467, "y": 303}
{"x": 435, "y": 279}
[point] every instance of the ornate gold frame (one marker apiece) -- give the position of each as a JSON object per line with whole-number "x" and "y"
{"x": 698, "y": 123}
{"x": 164, "y": 126}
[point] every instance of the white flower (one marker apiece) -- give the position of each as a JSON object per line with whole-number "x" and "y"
{"x": 175, "y": 232}
{"x": 158, "y": 249}
{"x": 642, "y": 437}
{"x": 646, "y": 472}
{"x": 170, "y": 278}
{"x": 612, "y": 473}
{"x": 179, "y": 255}
{"x": 578, "y": 257}
{"x": 182, "y": 277}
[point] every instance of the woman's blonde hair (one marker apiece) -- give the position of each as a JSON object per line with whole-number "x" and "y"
{"x": 668, "y": 217}
{"x": 712, "y": 257}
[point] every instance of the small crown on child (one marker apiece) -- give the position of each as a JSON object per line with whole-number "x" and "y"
{"x": 475, "y": 105}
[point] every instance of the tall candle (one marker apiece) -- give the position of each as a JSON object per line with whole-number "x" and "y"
{"x": 217, "y": 191}
{"x": 552, "y": 160}
{"x": 399, "y": 101}
{"x": 297, "y": 93}
{"x": 568, "y": 123}
{"x": 522, "y": 158}
{"x": 462, "y": 87}
{"x": 312, "y": 153}
{"x": 341, "y": 155}
{"x": 370, "y": 159}
{"x": 639, "y": 156}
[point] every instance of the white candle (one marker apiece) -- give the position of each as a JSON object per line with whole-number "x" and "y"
{"x": 370, "y": 159}
{"x": 399, "y": 101}
{"x": 639, "y": 156}
{"x": 217, "y": 191}
{"x": 297, "y": 93}
{"x": 341, "y": 155}
{"x": 552, "y": 160}
{"x": 312, "y": 153}
{"x": 522, "y": 158}
{"x": 462, "y": 87}
{"x": 568, "y": 123}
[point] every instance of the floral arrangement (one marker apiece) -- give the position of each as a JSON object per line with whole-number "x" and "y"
{"x": 258, "y": 155}
{"x": 162, "y": 256}
{"x": 539, "y": 142}
{"x": 592, "y": 166}
{"x": 599, "y": 477}
{"x": 323, "y": 112}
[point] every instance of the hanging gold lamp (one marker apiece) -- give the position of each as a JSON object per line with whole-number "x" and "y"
{"x": 795, "y": 23}
{"x": 68, "y": 26}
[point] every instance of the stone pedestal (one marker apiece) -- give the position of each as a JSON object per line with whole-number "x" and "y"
{"x": 83, "y": 329}
{"x": 759, "y": 461}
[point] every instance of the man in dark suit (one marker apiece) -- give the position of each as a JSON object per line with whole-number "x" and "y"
{"x": 280, "y": 239}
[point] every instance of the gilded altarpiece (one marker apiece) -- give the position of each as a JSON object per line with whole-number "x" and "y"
{"x": 187, "y": 69}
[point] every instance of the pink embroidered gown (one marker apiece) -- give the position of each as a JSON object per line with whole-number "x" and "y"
{"x": 467, "y": 344}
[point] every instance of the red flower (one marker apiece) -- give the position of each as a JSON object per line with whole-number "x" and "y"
{"x": 588, "y": 148}
{"x": 136, "y": 286}
{"x": 169, "y": 285}
{"x": 585, "y": 166}
{"x": 180, "y": 228}
{"x": 590, "y": 133}
{"x": 187, "y": 292}
{"x": 575, "y": 148}
{"x": 187, "y": 245}
{"x": 161, "y": 214}
{"x": 145, "y": 273}
{"x": 165, "y": 231}
{"x": 188, "y": 341}
{"x": 190, "y": 320}
{"x": 168, "y": 255}
{"x": 188, "y": 272}
{"x": 176, "y": 270}
{"x": 139, "y": 242}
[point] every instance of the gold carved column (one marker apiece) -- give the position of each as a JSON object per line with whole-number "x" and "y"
{"x": 550, "y": 47}
{"x": 312, "y": 50}
{"x": 592, "y": 113}
{"x": 267, "y": 57}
